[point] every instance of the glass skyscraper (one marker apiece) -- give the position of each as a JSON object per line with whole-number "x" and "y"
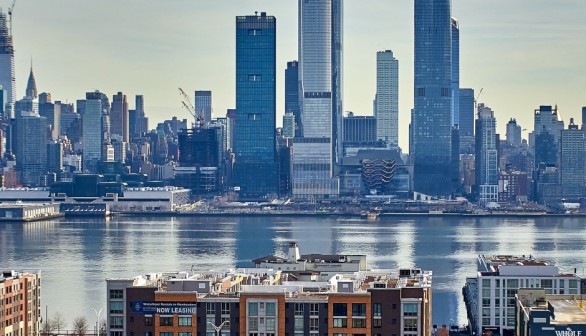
{"x": 455, "y": 72}
{"x": 292, "y": 94}
{"x": 255, "y": 168}
{"x": 7, "y": 74}
{"x": 431, "y": 123}
{"x": 203, "y": 106}
{"x": 386, "y": 102}
{"x": 93, "y": 131}
{"x": 316, "y": 152}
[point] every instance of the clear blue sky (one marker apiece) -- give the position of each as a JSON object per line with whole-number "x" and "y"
{"x": 524, "y": 53}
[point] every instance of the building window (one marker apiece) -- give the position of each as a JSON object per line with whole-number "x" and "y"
{"x": 358, "y": 323}
{"x": 148, "y": 321}
{"x": 166, "y": 334}
{"x": 340, "y": 309}
{"x": 270, "y": 309}
{"x": 445, "y": 92}
{"x": 117, "y": 322}
{"x": 116, "y": 294}
{"x": 359, "y": 309}
{"x": 409, "y": 324}
{"x": 410, "y": 309}
{"x": 252, "y": 309}
{"x": 377, "y": 322}
{"x": 253, "y": 323}
{"x": 421, "y": 92}
{"x": 166, "y": 321}
{"x": 225, "y": 308}
{"x": 210, "y": 308}
{"x": 185, "y": 321}
{"x": 116, "y": 307}
{"x": 314, "y": 309}
{"x": 270, "y": 324}
{"x": 340, "y": 322}
{"x": 299, "y": 324}
{"x": 254, "y": 78}
{"x": 184, "y": 334}
{"x": 340, "y": 334}
{"x": 313, "y": 324}
{"x": 254, "y": 32}
{"x": 299, "y": 309}
{"x": 377, "y": 310}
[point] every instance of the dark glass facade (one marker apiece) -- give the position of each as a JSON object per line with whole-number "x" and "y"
{"x": 432, "y": 114}
{"x": 292, "y": 94}
{"x": 255, "y": 168}
{"x": 466, "y": 112}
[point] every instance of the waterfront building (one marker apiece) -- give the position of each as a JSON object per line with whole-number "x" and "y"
{"x": 513, "y": 187}
{"x": 386, "y": 102}
{"x": 288, "y": 125}
{"x": 203, "y": 106}
{"x": 21, "y": 303}
{"x": 119, "y": 117}
{"x": 316, "y": 153}
{"x": 255, "y": 166}
{"x": 490, "y": 296}
{"x": 513, "y": 133}
{"x": 292, "y": 94}
{"x": 486, "y": 155}
{"x": 7, "y": 73}
{"x": 541, "y": 314}
{"x": 572, "y": 164}
{"x": 93, "y": 130}
{"x": 255, "y": 301}
{"x": 431, "y": 124}
{"x": 455, "y": 28}
{"x": 546, "y": 134}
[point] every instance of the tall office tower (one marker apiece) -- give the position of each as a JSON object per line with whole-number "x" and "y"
{"x": 292, "y": 94}
{"x": 360, "y": 129}
{"x": 52, "y": 112}
{"x": 93, "y": 131}
{"x": 431, "y": 123}
{"x": 119, "y": 117}
{"x": 546, "y": 134}
{"x": 315, "y": 154}
{"x": 288, "y": 125}
{"x": 54, "y": 156}
{"x": 386, "y": 102}
{"x": 31, "y": 85}
{"x": 513, "y": 133}
{"x": 572, "y": 168}
{"x": 486, "y": 155}
{"x": 466, "y": 115}
{"x": 203, "y": 106}
{"x": 455, "y": 71}
{"x": 142, "y": 121}
{"x": 231, "y": 125}
{"x": 7, "y": 73}
{"x": 255, "y": 168}
{"x": 31, "y": 147}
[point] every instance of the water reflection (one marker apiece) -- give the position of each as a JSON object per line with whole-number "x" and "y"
{"x": 77, "y": 255}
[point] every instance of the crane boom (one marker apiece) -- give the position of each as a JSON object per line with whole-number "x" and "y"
{"x": 186, "y": 102}
{"x": 10, "y": 11}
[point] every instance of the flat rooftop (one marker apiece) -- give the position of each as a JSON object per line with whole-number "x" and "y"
{"x": 567, "y": 311}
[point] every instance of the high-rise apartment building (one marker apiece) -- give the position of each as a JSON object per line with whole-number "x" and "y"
{"x": 455, "y": 71}
{"x": 288, "y": 125}
{"x": 203, "y": 106}
{"x": 292, "y": 94}
{"x": 31, "y": 148}
{"x": 141, "y": 121}
{"x": 52, "y": 112}
{"x": 486, "y": 155}
{"x": 466, "y": 109}
{"x": 431, "y": 123}
{"x": 93, "y": 130}
{"x": 317, "y": 151}
{"x": 490, "y": 296}
{"x": 7, "y": 73}
{"x": 572, "y": 163}
{"x": 513, "y": 133}
{"x": 255, "y": 167}
{"x": 386, "y": 102}
{"x": 119, "y": 117}
{"x": 546, "y": 134}
{"x": 20, "y": 304}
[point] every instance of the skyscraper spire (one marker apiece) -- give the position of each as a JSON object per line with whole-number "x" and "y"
{"x": 31, "y": 86}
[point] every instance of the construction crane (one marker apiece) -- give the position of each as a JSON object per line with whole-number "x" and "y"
{"x": 476, "y": 101}
{"x": 186, "y": 102}
{"x": 10, "y": 10}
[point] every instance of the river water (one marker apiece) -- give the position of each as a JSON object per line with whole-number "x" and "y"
{"x": 77, "y": 255}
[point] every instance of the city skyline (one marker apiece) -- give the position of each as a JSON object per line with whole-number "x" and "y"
{"x": 497, "y": 47}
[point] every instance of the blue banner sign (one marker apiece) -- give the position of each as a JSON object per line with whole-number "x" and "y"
{"x": 164, "y": 308}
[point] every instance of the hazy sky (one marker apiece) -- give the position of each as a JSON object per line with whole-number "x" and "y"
{"x": 524, "y": 53}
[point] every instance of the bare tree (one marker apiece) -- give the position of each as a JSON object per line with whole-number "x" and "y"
{"x": 59, "y": 322}
{"x": 47, "y": 327}
{"x": 80, "y": 326}
{"x": 103, "y": 328}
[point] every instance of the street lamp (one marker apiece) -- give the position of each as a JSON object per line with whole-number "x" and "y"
{"x": 97, "y": 312}
{"x": 218, "y": 328}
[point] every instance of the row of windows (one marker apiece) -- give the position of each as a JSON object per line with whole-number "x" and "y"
{"x": 261, "y": 308}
